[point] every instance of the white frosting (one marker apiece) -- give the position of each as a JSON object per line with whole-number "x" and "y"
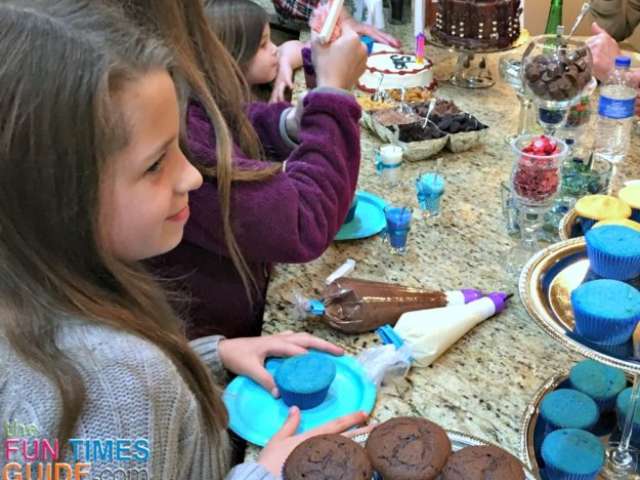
{"x": 400, "y": 71}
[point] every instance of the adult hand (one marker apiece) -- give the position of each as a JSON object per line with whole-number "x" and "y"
{"x": 373, "y": 32}
{"x": 604, "y": 50}
{"x": 283, "y": 80}
{"x": 246, "y": 356}
{"x": 340, "y": 63}
{"x": 282, "y": 444}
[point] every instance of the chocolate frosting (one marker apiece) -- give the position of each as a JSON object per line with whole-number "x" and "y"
{"x": 358, "y": 306}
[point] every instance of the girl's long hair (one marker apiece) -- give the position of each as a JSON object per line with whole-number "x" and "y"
{"x": 239, "y": 25}
{"x": 216, "y": 80}
{"x": 61, "y": 65}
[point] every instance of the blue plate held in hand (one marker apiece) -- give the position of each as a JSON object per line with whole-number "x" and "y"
{"x": 368, "y": 220}
{"x": 256, "y": 416}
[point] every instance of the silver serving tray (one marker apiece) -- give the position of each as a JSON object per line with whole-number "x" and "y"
{"x": 530, "y": 420}
{"x": 545, "y": 287}
{"x": 458, "y": 442}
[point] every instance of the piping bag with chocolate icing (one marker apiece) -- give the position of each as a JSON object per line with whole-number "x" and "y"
{"x": 352, "y": 305}
{"x": 430, "y": 333}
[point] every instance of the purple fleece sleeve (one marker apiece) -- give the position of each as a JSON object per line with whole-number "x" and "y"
{"x": 265, "y": 118}
{"x": 294, "y": 216}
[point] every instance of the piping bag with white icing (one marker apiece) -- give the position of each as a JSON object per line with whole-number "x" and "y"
{"x": 430, "y": 333}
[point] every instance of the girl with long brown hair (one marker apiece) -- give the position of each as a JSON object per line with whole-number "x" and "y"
{"x": 93, "y": 180}
{"x": 243, "y": 28}
{"x": 270, "y": 212}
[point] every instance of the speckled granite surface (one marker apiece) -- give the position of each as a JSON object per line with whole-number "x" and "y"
{"x": 483, "y": 384}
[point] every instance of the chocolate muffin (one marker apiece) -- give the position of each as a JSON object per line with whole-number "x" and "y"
{"x": 327, "y": 457}
{"x": 408, "y": 448}
{"x": 483, "y": 463}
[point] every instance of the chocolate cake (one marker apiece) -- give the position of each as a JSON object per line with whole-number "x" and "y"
{"x": 327, "y": 457}
{"x": 408, "y": 448}
{"x": 483, "y": 463}
{"x": 477, "y": 24}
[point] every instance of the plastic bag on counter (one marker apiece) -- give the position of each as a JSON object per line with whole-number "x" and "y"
{"x": 386, "y": 363}
{"x": 352, "y": 305}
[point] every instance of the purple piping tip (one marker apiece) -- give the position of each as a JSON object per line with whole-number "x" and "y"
{"x": 471, "y": 294}
{"x": 499, "y": 299}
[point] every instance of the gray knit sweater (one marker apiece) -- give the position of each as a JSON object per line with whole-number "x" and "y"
{"x": 133, "y": 393}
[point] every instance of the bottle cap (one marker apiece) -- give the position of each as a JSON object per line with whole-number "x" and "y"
{"x": 623, "y": 61}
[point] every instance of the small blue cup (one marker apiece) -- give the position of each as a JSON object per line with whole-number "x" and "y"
{"x": 398, "y": 225}
{"x": 429, "y": 189}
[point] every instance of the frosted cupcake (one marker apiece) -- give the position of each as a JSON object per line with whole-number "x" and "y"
{"x": 622, "y": 407}
{"x": 631, "y": 196}
{"x": 614, "y": 252}
{"x": 571, "y": 454}
{"x": 304, "y": 380}
{"x": 606, "y": 311}
{"x": 567, "y": 408}
{"x": 593, "y": 208}
{"x": 598, "y": 381}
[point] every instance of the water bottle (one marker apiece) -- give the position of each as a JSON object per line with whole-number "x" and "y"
{"x": 615, "y": 114}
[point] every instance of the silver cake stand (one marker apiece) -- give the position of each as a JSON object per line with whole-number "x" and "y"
{"x": 472, "y": 69}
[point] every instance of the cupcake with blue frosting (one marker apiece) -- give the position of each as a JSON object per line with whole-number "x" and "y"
{"x": 614, "y": 252}
{"x": 606, "y": 311}
{"x": 594, "y": 208}
{"x": 567, "y": 408}
{"x": 572, "y": 454}
{"x": 304, "y": 380}
{"x": 622, "y": 407}
{"x": 631, "y": 196}
{"x": 600, "y": 382}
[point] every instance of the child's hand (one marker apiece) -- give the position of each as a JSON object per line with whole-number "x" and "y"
{"x": 340, "y": 63}
{"x": 283, "y": 442}
{"x": 246, "y": 356}
{"x": 283, "y": 81}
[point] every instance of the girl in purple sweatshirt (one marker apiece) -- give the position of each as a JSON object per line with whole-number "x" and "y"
{"x": 251, "y": 213}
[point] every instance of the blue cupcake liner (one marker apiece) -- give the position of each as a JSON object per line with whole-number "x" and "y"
{"x": 611, "y": 266}
{"x": 601, "y": 331}
{"x": 553, "y": 473}
{"x": 304, "y": 401}
{"x": 622, "y": 350}
{"x": 585, "y": 224}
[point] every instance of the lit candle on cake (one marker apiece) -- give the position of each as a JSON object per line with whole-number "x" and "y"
{"x": 418, "y": 29}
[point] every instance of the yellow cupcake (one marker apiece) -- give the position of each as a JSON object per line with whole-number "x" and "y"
{"x": 602, "y": 207}
{"x": 623, "y": 222}
{"x": 631, "y": 196}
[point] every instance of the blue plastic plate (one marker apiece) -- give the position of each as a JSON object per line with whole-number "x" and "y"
{"x": 369, "y": 218}
{"x": 256, "y": 416}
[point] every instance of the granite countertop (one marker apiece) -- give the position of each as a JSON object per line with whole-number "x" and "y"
{"x": 483, "y": 384}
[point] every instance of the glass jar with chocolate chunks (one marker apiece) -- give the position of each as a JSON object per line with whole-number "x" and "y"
{"x": 556, "y": 71}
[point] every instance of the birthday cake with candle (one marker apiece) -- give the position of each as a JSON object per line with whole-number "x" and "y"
{"x": 396, "y": 70}
{"x": 477, "y": 24}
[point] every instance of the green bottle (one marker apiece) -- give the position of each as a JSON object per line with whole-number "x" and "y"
{"x": 555, "y": 17}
